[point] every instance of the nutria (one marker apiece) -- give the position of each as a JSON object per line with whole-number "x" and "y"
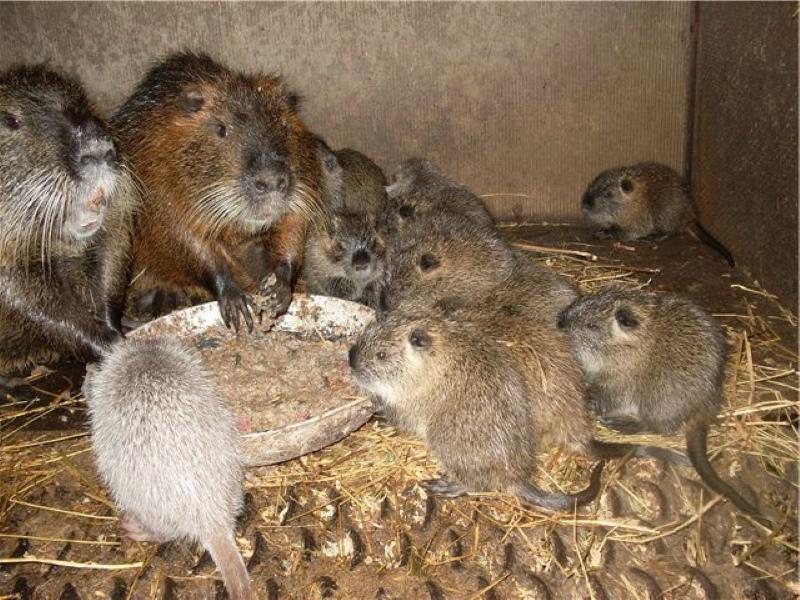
{"x": 225, "y": 160}
{"x": 421, "y": 188}
{"x": 483, "y": 403}
{"x": 167, "y": 448}
{"x": 653, "y": 362}
{"x": 66, "y": 207}
{"x": 445, "y": 259}
{"x": 353, "y": 183}
{"x": 345, "y": 257}
{"x": 459, "y": 263}
{"x": 644, "y": 201}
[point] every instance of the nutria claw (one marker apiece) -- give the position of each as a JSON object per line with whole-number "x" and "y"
{"x": 232, "y": 303}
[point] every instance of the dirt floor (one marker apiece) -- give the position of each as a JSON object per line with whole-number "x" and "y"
{"x": 351, "y": 521}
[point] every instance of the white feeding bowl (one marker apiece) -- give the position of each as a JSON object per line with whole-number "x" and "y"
{"x": 331, "y": 318}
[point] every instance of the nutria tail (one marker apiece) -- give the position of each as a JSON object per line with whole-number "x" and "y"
{"x": 696, "y": 445}
{"x": 610, "y": 450}
{"x": 563, "y": 502}
{"x": 228, "y": 559}
{"x": 709, "y": 240}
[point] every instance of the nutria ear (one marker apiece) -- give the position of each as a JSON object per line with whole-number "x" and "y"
{"x": 191, "y": 99}
{"x": 293, "y": 100}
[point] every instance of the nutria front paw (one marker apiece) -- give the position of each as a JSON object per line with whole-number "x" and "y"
{"x": 234, "y": 305}
{"x": 442, "y": 487}
{"x": 274, "y": 296}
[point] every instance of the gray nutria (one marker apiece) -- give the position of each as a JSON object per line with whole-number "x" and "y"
{"x": 653, "y": 363}
{"x": 225, "y": 161}
{"x": 168, "y": 450}
{"x": 483, "y": 404}
{"x": 420, "y": 189}
{"x": 345, "y": 257}
{"x": 486, "y": 391}
{"x": 644, "y": 201}
{"x": 66, "y": 210}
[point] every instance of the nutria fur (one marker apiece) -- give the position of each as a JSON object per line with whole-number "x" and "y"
{"x": 484, "y": 398}
{"x": 345, "y": 257}
{"x": 644, "y": 201}
{"x": 352, "y": 182}
{"x": 168, "y": 450}
{"x": 445, "y": 259}
{"x": 653, "y": 362}
{"x": 421, "y": 189}
{"x": 450, "y": 262}
{"x": 66, "y": 207}
{"x": 225, "y": 160}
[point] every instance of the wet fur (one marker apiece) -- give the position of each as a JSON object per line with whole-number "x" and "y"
{"x": 59, "y": 295}
{"x": 196, "y": 222}
{"x": 168, "y": 449}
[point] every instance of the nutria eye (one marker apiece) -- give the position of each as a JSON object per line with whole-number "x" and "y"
{"x": 11, "y": 121}
{"x": 626, "y": 185}
{"x": 419, "y": 339}
{"x": 428, "y": 262}
{"x": 222, "y": 131}
{"x": 406, "y": 211}
{"x": 381, "y": 355}
{"x": 626, "y": 318}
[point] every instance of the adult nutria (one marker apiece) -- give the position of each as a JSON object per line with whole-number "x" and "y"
{"x": 483, "y": 403}
{"x": 420, "y": 189}
{"x": 225, "y": 160}
{"x": 168, "y": 450}
{"x": 345, "y": 257}
{"x": 644, "y": 201}
{"x": 66, "y": 206}
{"x": 653, "y": 362}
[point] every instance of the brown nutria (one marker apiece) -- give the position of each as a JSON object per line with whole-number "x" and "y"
{"x": 420, "y": 188}
{"x": 345, "y": 257}
{"x": 66, "y": 208}
{"x": 225, "y": 161}
{"x": 168, "y": 449}
{"x": 352, "y": 182}
{"x": 653, "y": 362}
{"x": 644, "y": 201}
{"x": 483, "y": 403}
{"x": 462, "y": 264}
{"x": 445, "y": 259}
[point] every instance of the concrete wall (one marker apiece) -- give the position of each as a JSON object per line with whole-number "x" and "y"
{"x": 744, "y": 175}
{"x": 527, "y": 101}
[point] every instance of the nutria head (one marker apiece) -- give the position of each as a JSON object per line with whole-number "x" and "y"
{"x": 353, "y": 242}
{"x": 58, "y": 164}
{"x": 230, "y": 144}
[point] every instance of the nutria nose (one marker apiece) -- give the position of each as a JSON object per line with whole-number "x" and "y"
{"x": 587, "y": 201}
{"x": 360, "y": 259}
{"x": 271, "y": 181}
{"x": 95, "y": 152}
{"x": 352, "y": 356}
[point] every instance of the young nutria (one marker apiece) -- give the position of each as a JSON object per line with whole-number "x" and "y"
{"x": 224, "y": 159}
{"x": 644, "y": 201}
{"x": 353, "y": 183}
{"x": 458, "y": 264}
{"x": 66, "y": 207}
{"x": 483, "y": 402}
{"x": 345, "y": 257}
{"x": 420, "y": 189}
{"x": 168, "y": 450}
{"x": 653, "y": 362}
